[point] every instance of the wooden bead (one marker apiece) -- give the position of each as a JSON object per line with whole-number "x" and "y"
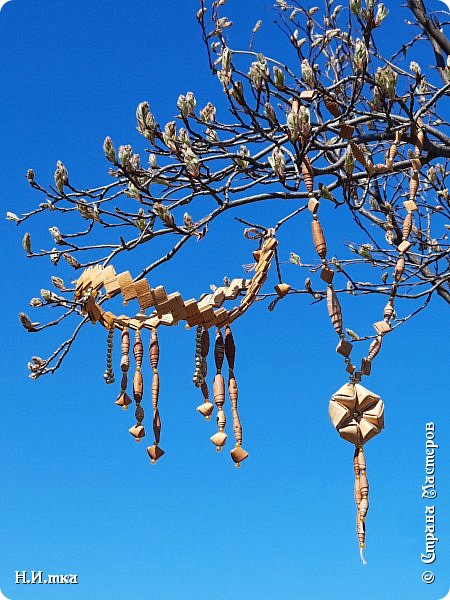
{"x": 399, "y": 268}
{"x": 382, "y": 327}
{"x": 313, "y": 205}
{"x": 389, "y": 310}
{"x": 334, "y": 310}
{"x": 138, "y": 350}
{"x": 139, "y": 413}
{"x": 319, "y": 239}
{"x": 206, "y": 408}
{"x": 363, "y": 507}
{"x": 361, "y": 460}
{"x": 219, "y": 351}
{"x": 154, "y": 452}
{"x": 326, "y": 274}
{"x": 375, "y": 347}
{"x": 366, "y": 366}
{"x": 392, "y": 153}
{"x": 332, "y": 106}
{"x": 404, "y": 246}
{"x": 205, "y": 390}
{"x": 125, "y": 363}
{"x": 219, "y": 390}
{"x": 125, "y": 341}
{"x": 413, "y": 185}
{"x": 230, "y": 348}
{"x": 407, "y": 226}
{"x": 204, "y": 343}
{"x": 137, "y": 431}
{"x": 154, "y": 350}
{"x": 155, "y": 390}
{"x": 344, "y": 347}
{"x": 355, "y": 462}
{"x": 238, "y": 454}
{"x": 308, "y": 174}
{"x": 138, "y": 386}
{"x": 221, "y": 419}
{"x": 219, "y": 439}
{"x": 157, "y": 426}
{"x": 123, "y": 400}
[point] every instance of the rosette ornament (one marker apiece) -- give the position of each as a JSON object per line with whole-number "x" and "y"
{"x": 357, "y": 413}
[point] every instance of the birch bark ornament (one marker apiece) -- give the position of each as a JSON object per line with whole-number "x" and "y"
{"x": 358, "y": 415}
{"x": 238, "y": 454}
{"x": 124, "y": 400}
{"x": 219, "y": 438}
{"x": 138, "y": 431}
{"x": 109, "y": 373}
{"x": 155, "y": 451}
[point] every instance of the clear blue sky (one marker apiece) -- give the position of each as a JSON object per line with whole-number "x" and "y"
{"x": 78, "y": 495}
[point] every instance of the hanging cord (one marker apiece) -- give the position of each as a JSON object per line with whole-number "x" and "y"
{"x": 109, "y": 373}
{"x": 124, "y": 400}
{"x": 238, "y": 454}
{"x": 201, "y": 371}
{"x": 138, "y": 431}
{"x": 155, "y": 451}
{"x": 219, "y": 438}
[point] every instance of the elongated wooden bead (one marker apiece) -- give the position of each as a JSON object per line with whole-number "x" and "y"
{"x": 219, "y": 390}
{"x": 407, "y": 226}
{"x": 413, "y": 185}
{"x": 138, "y": 350}
{"x": 157, "y": 426}
{"x": 363, "y": 484}
{"x": 363, "y": 507}
{"x": 360, "y": 531}
{"x": 420, "y": 138}
{"x": 332, "y": 106}
{"x": 361, "y": 460}
{"x": 233, "y": 391}
{"x": 154, "y": 350}
{"x": 221, "y": 419}
{"x": 155, "y": 390}
{"x": 375, "y": 347}
{"x": 334, "y": 310}
{"x": 355, "y": 462}
{"x": 204, "y": 344}
{"x": 392, "y": 152}
{"x": 138, "y": 386}
{"x": 230, "y": 348}
{"x": 125, "y": 363}
{"x": 399, "y": 268}
{"x": 219, "y": 351}
{"x": 319, "y": 239}
{"x": 389, "y": 310}
{"x": 308, "y": 174}
{"x": 125, "y": 342}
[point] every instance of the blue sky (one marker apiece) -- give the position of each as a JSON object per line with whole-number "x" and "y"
{"x": 78, "y": 496}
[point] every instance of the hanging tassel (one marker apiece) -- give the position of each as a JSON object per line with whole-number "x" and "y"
{"x": 219, "y": 438}
{"x": 109, "y": 373}
{"x": 138, "y": 431}
{"x": 203, "y": 344}
{"x": 155, "y": 451}
{"x": 238, "y": 454}
{"x": 124, "y": 400}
